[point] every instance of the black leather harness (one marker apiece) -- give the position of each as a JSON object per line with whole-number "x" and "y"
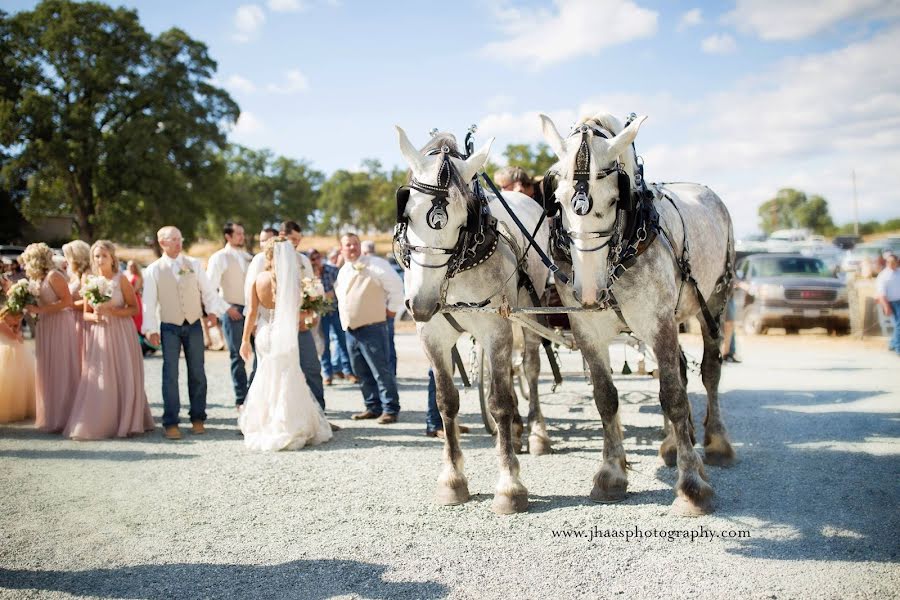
{"x": 477, "y": 239}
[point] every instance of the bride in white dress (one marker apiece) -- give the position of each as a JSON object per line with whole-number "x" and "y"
{"x": 279, "y": 412}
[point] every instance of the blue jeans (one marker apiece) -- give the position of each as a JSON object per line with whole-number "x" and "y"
{"x": 368, "y": 347}
{"x": 190, "y": 337}
{"x": 234, "y": 331}
{"x": 331, "y": 323}
{"x": 392, "y": 350}
{"x": 895, "y": 339}
{"x": 433, "y": 420}
{"x": 309, "y": 364}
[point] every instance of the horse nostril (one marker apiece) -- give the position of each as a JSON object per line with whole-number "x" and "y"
{"x": 408, "y": 307}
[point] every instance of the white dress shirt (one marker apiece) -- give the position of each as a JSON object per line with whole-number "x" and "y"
{"x": 887, "y": 284}
{"x": 212, "y": 302}
{"x": 380, "y": 270}
{"x": 222, "y": 259}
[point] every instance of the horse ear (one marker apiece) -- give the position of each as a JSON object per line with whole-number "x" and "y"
{"x": 413, "y": 157}
{"x": 620, "y": 143}
{"x": 475, "y": 163}
{"x": 551, "y": 135}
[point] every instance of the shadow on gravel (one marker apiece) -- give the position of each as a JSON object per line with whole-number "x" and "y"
{"x": 824, "y": 480}
{"x": 311, "y": 579}
{"x": 114, "y": 455}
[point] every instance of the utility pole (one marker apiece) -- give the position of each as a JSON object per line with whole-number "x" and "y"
{"x": 855, "y": 206}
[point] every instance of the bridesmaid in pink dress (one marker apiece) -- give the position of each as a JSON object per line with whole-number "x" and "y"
{"x": 56, "y": 345}
{"x": 110, "y": 401}
{"x": 78, "y": 257}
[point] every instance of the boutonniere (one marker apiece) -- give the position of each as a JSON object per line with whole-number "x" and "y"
{"x": 185, "y": 270}
{"x": 359, "y": 266}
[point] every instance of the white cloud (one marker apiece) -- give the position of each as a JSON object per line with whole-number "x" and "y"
{"x": 574, "y": 28}
{"x": 806, "y": 122}
{"x": 248, "y": 19}
{"x": 248, "y": 124}
{"x": 797, "y": 19}
{"x": 719, "y": 43}
{"x": 500, "y": 102}
{"x": 240, "y": 84}
{"x": 295, "y": 82}
{"x": 286, "y": 5}
{"x": 689, "y": 19}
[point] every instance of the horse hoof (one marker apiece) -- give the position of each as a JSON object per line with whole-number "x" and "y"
{"x": 451, "y": 496}
{"x": 610, "y": 495}
{"x": 509, "y": 505}
{"x": 538, "y": 446}
{"x": 668, "y": 453}
{"x": 693, "y": 496}
{"x": 718, "y": 452}
{"x": 611, "y": 482}
{"x": 684, "y": 507}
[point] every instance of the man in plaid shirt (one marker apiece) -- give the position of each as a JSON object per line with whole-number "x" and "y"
{"x": 327, "y": 274}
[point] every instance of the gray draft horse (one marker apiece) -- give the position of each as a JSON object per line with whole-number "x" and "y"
{"x": 591, "y": 238}
{"x": 453, "y": 253}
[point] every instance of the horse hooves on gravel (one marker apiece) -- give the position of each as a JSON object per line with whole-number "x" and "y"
{"x": 668, "y": 452}
{"x": 538, "y": 446}
{"x": 450, "y": 496}
{"x": 610, "y": 483}
{"x": 508, "y": 505}
{"x": 693, "y": 496}
{"x": 717, "y": 451}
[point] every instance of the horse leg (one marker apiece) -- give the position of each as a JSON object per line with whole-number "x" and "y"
{"x": 611, "y": 480}
{"x": 510, "y": 495}
{"x": 452, "y": 486}
{"x": 717, "y": 448}
{"x": 693, "y": 493}
{"x": 538, "y": 438}
{"x": 668, "y": 449}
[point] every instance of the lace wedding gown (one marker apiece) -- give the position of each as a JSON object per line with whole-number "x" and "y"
{"x": 279, "y": 412}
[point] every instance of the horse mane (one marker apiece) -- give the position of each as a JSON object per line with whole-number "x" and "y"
{"x": 459, "y": 189}
{"x": 611, "y": 124}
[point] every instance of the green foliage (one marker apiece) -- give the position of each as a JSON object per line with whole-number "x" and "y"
{"x": 535, "y": 161}
{"x": 791, "y": 209}
{"x": 362, "y": 199}
{"x": 108, "y": 123}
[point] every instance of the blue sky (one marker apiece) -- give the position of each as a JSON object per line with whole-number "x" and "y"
{"x": 745, "y": 96}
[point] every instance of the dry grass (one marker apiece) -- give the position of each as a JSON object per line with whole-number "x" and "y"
{"x": 203, "y": 249}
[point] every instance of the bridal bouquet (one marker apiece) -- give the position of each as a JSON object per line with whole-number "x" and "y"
{"x": 21, "y": 294}
{"x": 314, "y": 298}
{"x": 97, "y": 290}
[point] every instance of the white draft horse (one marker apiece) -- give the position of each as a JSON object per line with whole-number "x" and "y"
{"x": 459, "y": 248}
{"x": 598, "y": 240}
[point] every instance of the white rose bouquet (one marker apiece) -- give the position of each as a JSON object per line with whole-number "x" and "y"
{"x": 97, "y": 290}
{"x": 21, "y": 294}
{"x": 314, "y": 298}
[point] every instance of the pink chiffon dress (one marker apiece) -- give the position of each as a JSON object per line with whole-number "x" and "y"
{"x": 110, "y": 401}
{"x": 80, "y": 324}
{"x": 58, "y": 364}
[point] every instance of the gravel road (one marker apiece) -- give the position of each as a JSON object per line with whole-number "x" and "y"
{"x": 815, "y": 496}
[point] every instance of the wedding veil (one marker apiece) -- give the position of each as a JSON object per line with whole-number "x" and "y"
{"x": 287, "y": 300}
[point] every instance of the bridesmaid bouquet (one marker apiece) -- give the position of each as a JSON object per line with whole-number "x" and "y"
{"x": 97, "y": 290}
{"x": 314, "y": 298}
{"x": 21, "y": 294}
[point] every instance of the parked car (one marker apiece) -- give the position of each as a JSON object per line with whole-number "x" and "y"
{"x": 786, "y": 240}
{"x": 12, "y": 252}
{"x": 846, "y": 242}
{"x": 829, "y": 254}
{"x": 790, "y": 291}
{"x": 863, "y": 259}
{"x": 751, "y": 244}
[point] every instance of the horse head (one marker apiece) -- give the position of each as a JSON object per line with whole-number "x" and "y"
{"x": 434, "y": 206}
{"x": 594, "y": 175}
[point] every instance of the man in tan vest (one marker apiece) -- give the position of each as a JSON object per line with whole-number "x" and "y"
{"x": 369, "y": 292}
{"x": 175, "y": 291}
{"x": 227, "y": 270}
